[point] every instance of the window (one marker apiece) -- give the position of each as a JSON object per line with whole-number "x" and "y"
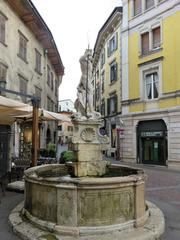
{"x": 112, "y": 104}
{"x": 23, "y": 87}
{"x": 156, "y": 38}
{"x": 38, "y": 93}
{"x": 103, "y": 108}
{"x": 102, "y": 82}
{"x": 56, "y": 88}
{"x": 70, "y": 128}
{"x": 2, "y": 28}
{"x": 50, "y": 104}
{"x": 137, "y": 7}
{"x": 22, "y": 46}
{"x": 150, "y": 40}
{"x": 102, "y": 58}
{"x": 97, "y": 92}
{"x": 112, "y": 44}
{"x": 38, "y": 61}
{"x": 113, "y": 71}
{"x": 3, "y": 73}
{"x": 149, "y": 4}
{"x": 60, "y": 127}
{"x": 48, "y": 76}
{"x": 151, "y": 86}
{"x": 145, "y": 43}
{"x": 52, "y": 81}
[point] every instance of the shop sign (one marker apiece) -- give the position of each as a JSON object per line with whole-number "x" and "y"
{"x": 152, "y": 134}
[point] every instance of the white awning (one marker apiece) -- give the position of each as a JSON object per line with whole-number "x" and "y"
{"x": 9, "y": 109}
{"x": 49, "y": 116}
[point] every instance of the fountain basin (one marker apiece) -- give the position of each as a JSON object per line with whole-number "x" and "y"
{"x": 87, "y": 205}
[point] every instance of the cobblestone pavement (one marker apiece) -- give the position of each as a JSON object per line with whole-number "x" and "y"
{"x": 162, "y": 188}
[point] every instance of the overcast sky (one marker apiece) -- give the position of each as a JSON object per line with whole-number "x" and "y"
{"x": 73, "y": 24}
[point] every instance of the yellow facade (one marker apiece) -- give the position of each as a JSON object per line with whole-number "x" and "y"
{"x": 170, "y": 53}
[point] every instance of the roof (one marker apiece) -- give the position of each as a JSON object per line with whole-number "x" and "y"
{"x": 31, "y": 17}
{"x": 110, "y": 21}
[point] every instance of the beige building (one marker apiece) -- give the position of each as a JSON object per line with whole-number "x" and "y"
{"x": 107, "y": 76}
{"x": 29, "y": 63}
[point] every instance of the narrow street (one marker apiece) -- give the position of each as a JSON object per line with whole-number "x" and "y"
{"x": 162, "y": 188}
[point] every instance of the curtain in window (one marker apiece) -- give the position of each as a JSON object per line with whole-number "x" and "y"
{"x": 156, "y": 37}
{"x": 148, "y": 87}
{"x": 149, "y": 3}
{"x": 137, "y": 7}
{"x": 155, "y": 85}
{"x": 145, "y": 43}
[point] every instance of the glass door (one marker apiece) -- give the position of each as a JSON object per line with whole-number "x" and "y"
{"x": 153, "y": 151}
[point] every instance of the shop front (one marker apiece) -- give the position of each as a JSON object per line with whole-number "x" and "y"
{"x": 152, "y": 142}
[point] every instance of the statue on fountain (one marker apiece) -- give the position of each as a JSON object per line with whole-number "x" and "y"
{"x": 84, "y": 101}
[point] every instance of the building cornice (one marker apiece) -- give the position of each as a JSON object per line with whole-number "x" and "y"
{"x": 28, "y": 13}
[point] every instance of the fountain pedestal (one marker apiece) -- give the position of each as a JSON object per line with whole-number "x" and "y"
{"x": 88, "y": 144}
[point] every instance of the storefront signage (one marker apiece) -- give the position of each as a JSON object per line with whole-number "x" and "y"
{"x": 152, "y": 134}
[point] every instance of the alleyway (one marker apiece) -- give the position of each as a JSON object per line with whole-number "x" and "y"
{"x": 162, "y": 188}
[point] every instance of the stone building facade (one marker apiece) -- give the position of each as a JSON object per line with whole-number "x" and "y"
{"x": 29, "y": 63}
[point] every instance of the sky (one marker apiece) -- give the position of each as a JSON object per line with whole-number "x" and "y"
{"x": 74, "y": 24}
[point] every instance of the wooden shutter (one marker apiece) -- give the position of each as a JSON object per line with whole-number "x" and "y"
{"x": 145, "y": 43}
{"x": 149, "y": 4}
{"x": 137, "y": 7}
{"x": 156, "y": 37}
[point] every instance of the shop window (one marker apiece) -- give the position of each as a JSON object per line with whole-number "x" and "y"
{"x": 2, "y": 28}
{"x": 151, "y": 86}
{"x": 113, "y": 71}
{"x": 137, "y": 7}
{"x": 22, "y": 47}
{"x": 37, "y": 61}
{"x": 149, "y": 4}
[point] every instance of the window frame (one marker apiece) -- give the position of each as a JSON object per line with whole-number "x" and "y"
{"x": 38, "y": 62}
{"x": 149, "y": 29}
{"x": 3, "y": 20}
{"x": 3, "y": 77}
{"x": 112, "y": 65}
{"x": 23, "y": 80}
{"x": 23, "y": 42}
{"x": 148, "y": 69}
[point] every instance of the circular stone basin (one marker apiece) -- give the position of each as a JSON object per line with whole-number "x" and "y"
{"x": 88, "y": 205}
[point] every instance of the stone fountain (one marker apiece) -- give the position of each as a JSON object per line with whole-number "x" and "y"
{"x": 87, "y": 199}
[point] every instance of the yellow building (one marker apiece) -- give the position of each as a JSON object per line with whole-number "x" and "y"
{"x": 107, "y": 75}
{"x": 151, "y": 81}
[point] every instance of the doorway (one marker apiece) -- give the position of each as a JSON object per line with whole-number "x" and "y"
{"x": 152, "y": 151}
{"x": 152, "y": 142}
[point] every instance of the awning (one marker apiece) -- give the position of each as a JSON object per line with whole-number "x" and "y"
{"x": 10, "y": 108}
{"x": 49, "y": 116}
